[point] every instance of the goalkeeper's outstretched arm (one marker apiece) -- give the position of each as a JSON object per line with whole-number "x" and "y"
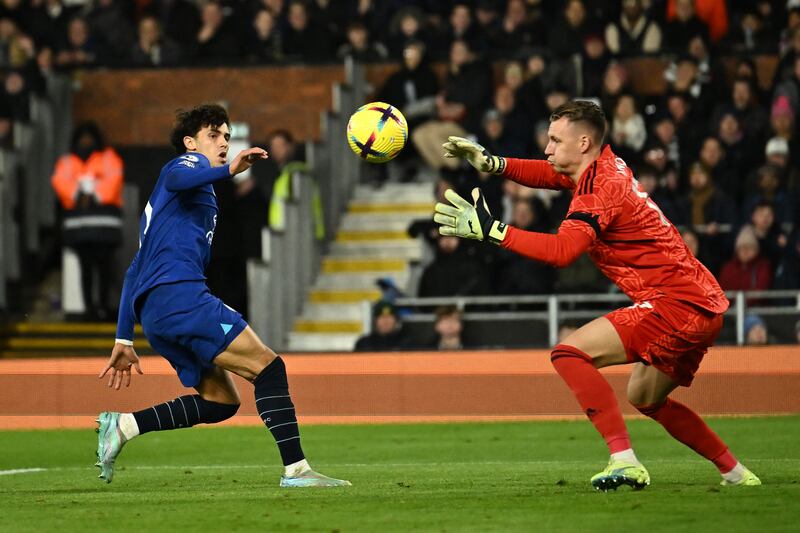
{"x": 532, "y": 173}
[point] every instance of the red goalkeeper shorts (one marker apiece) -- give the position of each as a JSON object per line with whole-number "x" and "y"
{"x": 670, "y": 335}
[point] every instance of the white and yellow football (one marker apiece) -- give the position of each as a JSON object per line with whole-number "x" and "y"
{"x": 377, "y": 132}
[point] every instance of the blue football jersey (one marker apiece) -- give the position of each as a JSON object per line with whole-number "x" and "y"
{"x": 175, "y": 232}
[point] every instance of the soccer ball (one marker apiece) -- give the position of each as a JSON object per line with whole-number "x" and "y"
{"x": 377, "y": 132}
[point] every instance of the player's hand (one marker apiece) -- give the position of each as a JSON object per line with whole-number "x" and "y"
{"x": 475, "y": 154}
{"x": 468, "y": 220}
{"x": 246, "y": 158}
{"x": 123, "y": 357}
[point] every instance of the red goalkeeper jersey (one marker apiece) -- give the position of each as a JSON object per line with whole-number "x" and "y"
{"x": 626, "y": 234}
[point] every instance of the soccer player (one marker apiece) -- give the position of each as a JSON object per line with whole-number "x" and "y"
{"x": 678, "y": 305}
{"x": 201, "y": 337}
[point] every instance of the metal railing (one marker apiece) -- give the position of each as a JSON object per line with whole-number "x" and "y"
{"x": 555, "y": 309}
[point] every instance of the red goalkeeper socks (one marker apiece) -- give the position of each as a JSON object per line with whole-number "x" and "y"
{"x": 687, "y": 427}
{"x": 594, "y": 394}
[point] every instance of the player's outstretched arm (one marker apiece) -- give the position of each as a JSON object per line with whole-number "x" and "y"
{"x": 460, "y": 218}
{"x": 246, "y": 158}
{"x": 123, "y": 357}
{"x": 532, "y": 173}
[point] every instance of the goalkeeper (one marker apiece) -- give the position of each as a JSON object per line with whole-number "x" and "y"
{"x": 677, "y": 304}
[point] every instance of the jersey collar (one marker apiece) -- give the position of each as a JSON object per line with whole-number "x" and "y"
{"x": 586, "y": 183}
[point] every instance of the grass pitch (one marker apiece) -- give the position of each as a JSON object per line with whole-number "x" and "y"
{"x": 427, "y": 477}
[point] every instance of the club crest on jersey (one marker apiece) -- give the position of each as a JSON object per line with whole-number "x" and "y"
{"x": 190, "y": 157}
{"x": 186, "y": 163}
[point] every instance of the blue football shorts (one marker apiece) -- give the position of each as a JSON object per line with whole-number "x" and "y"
{"x": 188, "y": 326}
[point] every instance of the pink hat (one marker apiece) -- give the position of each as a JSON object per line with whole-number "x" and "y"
{"x": 781, "y": 106}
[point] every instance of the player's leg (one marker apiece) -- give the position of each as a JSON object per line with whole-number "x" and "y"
{"x": 248, "y": 357}
{"x": 576, "y": 359}
{"x": 648, "y": 391}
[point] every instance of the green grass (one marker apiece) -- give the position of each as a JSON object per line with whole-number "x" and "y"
{"x": 427, "y": 477}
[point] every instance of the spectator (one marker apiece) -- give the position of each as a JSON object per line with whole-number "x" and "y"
{"x": 180, "y": 20}
{"x": 265, "y": 39}
{"x": 530, "y": 95}
{"x": 769, "y": 190}
{"x": 460, "y": 106}
{"x": 359, "y": 47}
{"x": 628, "y": 130}
{"x": 688, "y": 128}
{"x": 744, "y": 104}
{"x": 515, "y": 128}
{"x": 668, "y": 203}
{"x": 216, "y": 42}
{"x": 488, "y": 25}
{"x": 16, "y": 48}
{"x": 777, "y": 154}
{"x": 448, "y": 329}
{"x": 461, "y": 27}
{"x": 567, "y": 35}
{"x": 80, "y": 49}
{"x": 746, "y": 271}
{"x": 634, "y": 33}
{"x": 387, "y": 331}
{"x": 594, "y": 62}
{"x": 47, "y": 22}
{"x": 111, "y": 25}
{"x": 516, "y": 35}
{"x": 152, "y": 49}
{"x": 755, "y": 331}
{"x": 407, "y": 25}
{"x": 750, "y": 35}
{"x": 737, "y": 156}
{"x": 615, "y": 83}
{"x": 787, "y": 272}
{"x": 712, "y": 13}
{"x": 305, "y": 39}
{"x": 454, "y": 272}
{"x": 519, "y": 275}
{"x": 785, "y": 68}
{"x": 88, "y": 182}
{"x": 782, "y": 124}
{"x": 772, "y": 240}
{"x": 682, "y": 26}
{"x": 712, "y": 156}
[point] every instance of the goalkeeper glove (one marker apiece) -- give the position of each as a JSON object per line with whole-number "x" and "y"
{"x": 470, "y": 221}
{"x": 477, "y": 156}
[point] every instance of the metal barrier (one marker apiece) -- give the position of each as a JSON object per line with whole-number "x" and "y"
{"x": 279, "y": 281}
{"x": 555, "y": 309}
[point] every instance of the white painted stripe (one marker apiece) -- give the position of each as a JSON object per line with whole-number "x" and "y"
{"x": 21, "y": 471}
{"x": 92, "y": 222}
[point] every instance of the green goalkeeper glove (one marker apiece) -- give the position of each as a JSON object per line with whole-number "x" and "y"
{"x": 470, "y": 221}
{"x": 477, "y": 156}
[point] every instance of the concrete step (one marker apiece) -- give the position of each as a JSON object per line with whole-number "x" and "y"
{"x": 378, "y": 221}
{"x": 328, "y": 326}
{"x": 324, "y": 311}
{"x": 359, "y": 280}
{"x": 322, "y": 342}
{"x": 331, "y": 265}
{"x": 372, "y": 235}
{"x": 343, "y": 296}
{"x": 418, "y": 191}
{"x": 421, "y": 209}
{"x": 408, "y": 250}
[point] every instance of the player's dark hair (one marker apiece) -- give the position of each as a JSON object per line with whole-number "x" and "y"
{"x": 583, "y": 111}
{"x": 189, "y": 123}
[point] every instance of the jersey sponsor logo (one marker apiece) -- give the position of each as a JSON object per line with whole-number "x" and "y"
{"x": 186, "y": 164}
{"x": 190, "y": 157}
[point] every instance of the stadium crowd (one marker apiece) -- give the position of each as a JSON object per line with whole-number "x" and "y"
{"x": 718, "y": 151}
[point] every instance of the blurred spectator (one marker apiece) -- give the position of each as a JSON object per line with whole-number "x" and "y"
{"x": 80, "y": 49}
{"x": 682, "y": 27}
{"x": 387, "y": 331}
{"x": 755, "y": 331}
{"x": 634, "y": 33}
{"x": 684, "y": 76}
{"x": 692, "y": 241}
{"x": 769, "y": 190}
{"x": 15, "y": 97}
{"x": 111, "y": 25}
{"x": 530, "y": 94}
{"x": 461, "y": 27}
{"x": 304, "y": 38}
{"x": 180, "y": 20}
{"x": 454, "y": 272}
{"x": 407, "y": 25}
{"x": 217, "y": 42}
{"x": 594, "y": 62}
{"x": 568, "y": 33}
{"x": 514, "y": 134}
{"x": 359, "y": 47}
{"x": 669, "y": 204}
{"x": 515, "y": 274}
{"x": 152, "y": 49}
{"x": 413, "y": 88}
{"x": 739, "y": 156}
{"x": 750, "y": 35}
{"x": 710, "y": 13}
{"x": 782, "y": 123}
{"x": 47, "y": 22}
{"x": 265, "y": 40}
{"x": 88, "y": 182}
{"x": 790, "y": 53}
{"x": 712, "y": 156}
{"x": 16, "y": 48}
{"x": 516, "y": 34}
{"x": 448, "y": 329}
{"x": 664, "y": 134}
{"x": 460, "y": 106}
{"x": 615, "y": 83}
{"x": 777, "y": 155}
{"x": 787, "y": 272}
{"x": 744, "y": 104}
{"x": 747, "y": 270}
{"x": 688, "y": 127}
{"x": 772, "y": 240}
{"x": 628, "y": 130}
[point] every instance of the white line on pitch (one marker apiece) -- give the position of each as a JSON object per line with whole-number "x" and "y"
{"x": 21, "y": 471}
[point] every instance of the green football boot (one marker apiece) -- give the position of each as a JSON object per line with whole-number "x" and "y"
{"x": 110, "y": 441}
{"x": 621, "y": 473}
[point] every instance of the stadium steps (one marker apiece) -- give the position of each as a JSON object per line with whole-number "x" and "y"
{"x": 62, "y": 339}
{"x": 371, "y": 243}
